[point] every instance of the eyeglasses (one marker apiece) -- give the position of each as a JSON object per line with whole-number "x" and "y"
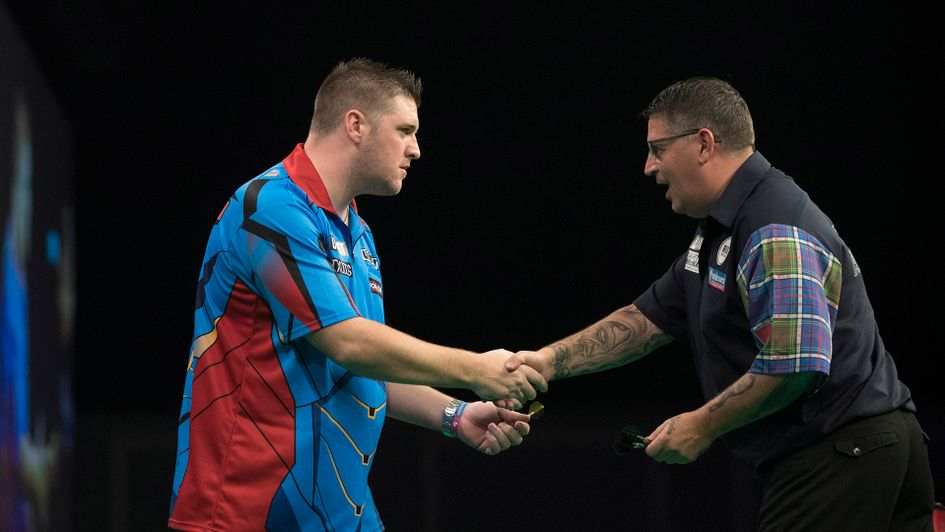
{"x": 655, "y": 150}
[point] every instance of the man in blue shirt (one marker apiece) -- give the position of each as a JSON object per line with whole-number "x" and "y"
{"x": 292, "y": 370}
{"x": 797, "y": 381}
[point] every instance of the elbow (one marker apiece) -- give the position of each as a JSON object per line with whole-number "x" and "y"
{"x": 810, "y": 381}
{"x": 794, "y": 386}
{"x": 347, "y": 353}
{"x": 343, "y": 343}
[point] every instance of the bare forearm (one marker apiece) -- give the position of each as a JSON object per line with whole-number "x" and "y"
{"x": 753, "y": 397}
{"x": 371, "y": 349}
{"x": 374, "y": 350}
{"x": 418, "y": 405}
{"x": 622, "y": 337}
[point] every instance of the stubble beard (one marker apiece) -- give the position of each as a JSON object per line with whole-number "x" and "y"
{"x": 372, "y": 177}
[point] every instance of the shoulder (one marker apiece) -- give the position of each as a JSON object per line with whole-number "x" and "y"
{"x": 270, "y": 188}
{"x": 779, "y": 203}
{"x": 273, "y": 201}
{"x": 776, "y": 199}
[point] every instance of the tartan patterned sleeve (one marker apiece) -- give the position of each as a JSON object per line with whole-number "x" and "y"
{"x": 790, "y": 286}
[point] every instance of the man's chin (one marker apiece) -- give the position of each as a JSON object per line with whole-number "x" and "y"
{"x": 391, "y": 190}
{"x": 395, "y": 187}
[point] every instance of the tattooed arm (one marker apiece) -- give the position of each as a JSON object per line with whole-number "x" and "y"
{"x": 624, "y": 336}
{"x": 684, "y": 438}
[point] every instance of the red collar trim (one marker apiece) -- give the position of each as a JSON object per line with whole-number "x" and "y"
{"x": 303, "y": 173}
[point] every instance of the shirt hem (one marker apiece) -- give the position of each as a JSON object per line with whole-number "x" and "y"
{"x": 187, "y": 527}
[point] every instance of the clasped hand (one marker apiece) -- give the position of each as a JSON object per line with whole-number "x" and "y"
{"x": 533, "y": 365}
{"x": 509, "y": 387}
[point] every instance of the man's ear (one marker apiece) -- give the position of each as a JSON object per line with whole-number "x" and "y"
{"x": 707, "y": 144}
{"x": 355, "y": 124}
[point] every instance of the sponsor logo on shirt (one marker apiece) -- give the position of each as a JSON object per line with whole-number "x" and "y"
{"x": 339, "y": 246}
{"x": 376, "y": 286}
{"x": 716, "y": 279}
{"x": 722, "y": 253}
{"x": 368, "y": 258}
{"x": 692, "y": 259}
{"x": 340, "y": 266}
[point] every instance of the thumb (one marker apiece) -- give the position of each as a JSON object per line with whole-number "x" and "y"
{"x": 513, "y": 363}
{"x": 511, "y": 416}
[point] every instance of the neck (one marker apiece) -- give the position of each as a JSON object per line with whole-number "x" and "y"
{"x": 724, "y": 169}
{"x": 330, "y": 159}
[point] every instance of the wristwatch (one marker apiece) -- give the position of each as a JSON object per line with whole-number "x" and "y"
{"x": 451, "y": 416}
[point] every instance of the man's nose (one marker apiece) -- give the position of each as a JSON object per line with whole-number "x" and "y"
{"x": 413, "y": 150}
{"x": 651, "y": 165}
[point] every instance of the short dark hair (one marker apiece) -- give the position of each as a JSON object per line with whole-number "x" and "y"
{"x": 706, "y": 102}
{"x": 362, "y": 84}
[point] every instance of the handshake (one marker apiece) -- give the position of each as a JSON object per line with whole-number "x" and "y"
{"x": 511, "y": 379}
{"x": 508, "y": 380}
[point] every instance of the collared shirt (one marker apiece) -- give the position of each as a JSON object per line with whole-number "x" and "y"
{"x": 273, "y": 433}
{"x": 767, "y": 286}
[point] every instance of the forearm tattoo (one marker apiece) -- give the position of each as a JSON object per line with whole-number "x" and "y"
{"x": 739, "y": 387}
{"x": 624, "y": 336}
{"x": 787, "y": 390}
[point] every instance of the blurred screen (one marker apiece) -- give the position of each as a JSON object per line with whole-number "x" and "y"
{"x": 37, "y": 295}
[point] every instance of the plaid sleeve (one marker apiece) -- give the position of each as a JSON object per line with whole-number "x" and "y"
{"x": 790, "y": 285}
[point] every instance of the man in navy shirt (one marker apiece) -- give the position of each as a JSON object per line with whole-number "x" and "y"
{"x": 797, "y": 381}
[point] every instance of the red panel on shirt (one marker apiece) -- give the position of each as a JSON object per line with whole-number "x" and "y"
{"x": 243, "y": 452}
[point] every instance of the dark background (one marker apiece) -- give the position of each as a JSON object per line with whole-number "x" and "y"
{"x": 527, "y": 217}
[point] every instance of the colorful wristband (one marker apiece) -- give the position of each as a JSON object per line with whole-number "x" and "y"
{"x": 454, "y": 425}
{"x": 451, "y": 417}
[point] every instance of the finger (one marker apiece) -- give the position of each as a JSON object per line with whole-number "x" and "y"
{"x": 514, "y": 437}
{"x": 659, "y": 451}
{"x": 529, "y": 359}
{"x": 657, "y": 431}
{"x": 536, "y": 379}
{"x": 522, "y": 428}
{"x": 511, "y": 416}
{"x": 489, "y": 445}
{"x": 535, "y": 360}
{"x": 502, "y": 404}
{"x": 500, "y": 436}
{"x": 527, "y": 391}
{"x": 654, "y": 452}
{"x": 512, "y": 363}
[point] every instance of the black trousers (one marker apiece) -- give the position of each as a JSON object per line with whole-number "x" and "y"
{"x": 870, "y": 475}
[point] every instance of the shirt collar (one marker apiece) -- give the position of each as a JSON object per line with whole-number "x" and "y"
{"x": 303, "y": 173}
{"x": 743, "y": 182}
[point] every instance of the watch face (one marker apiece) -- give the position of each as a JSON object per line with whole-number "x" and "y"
{"x": 449, "y": 415}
